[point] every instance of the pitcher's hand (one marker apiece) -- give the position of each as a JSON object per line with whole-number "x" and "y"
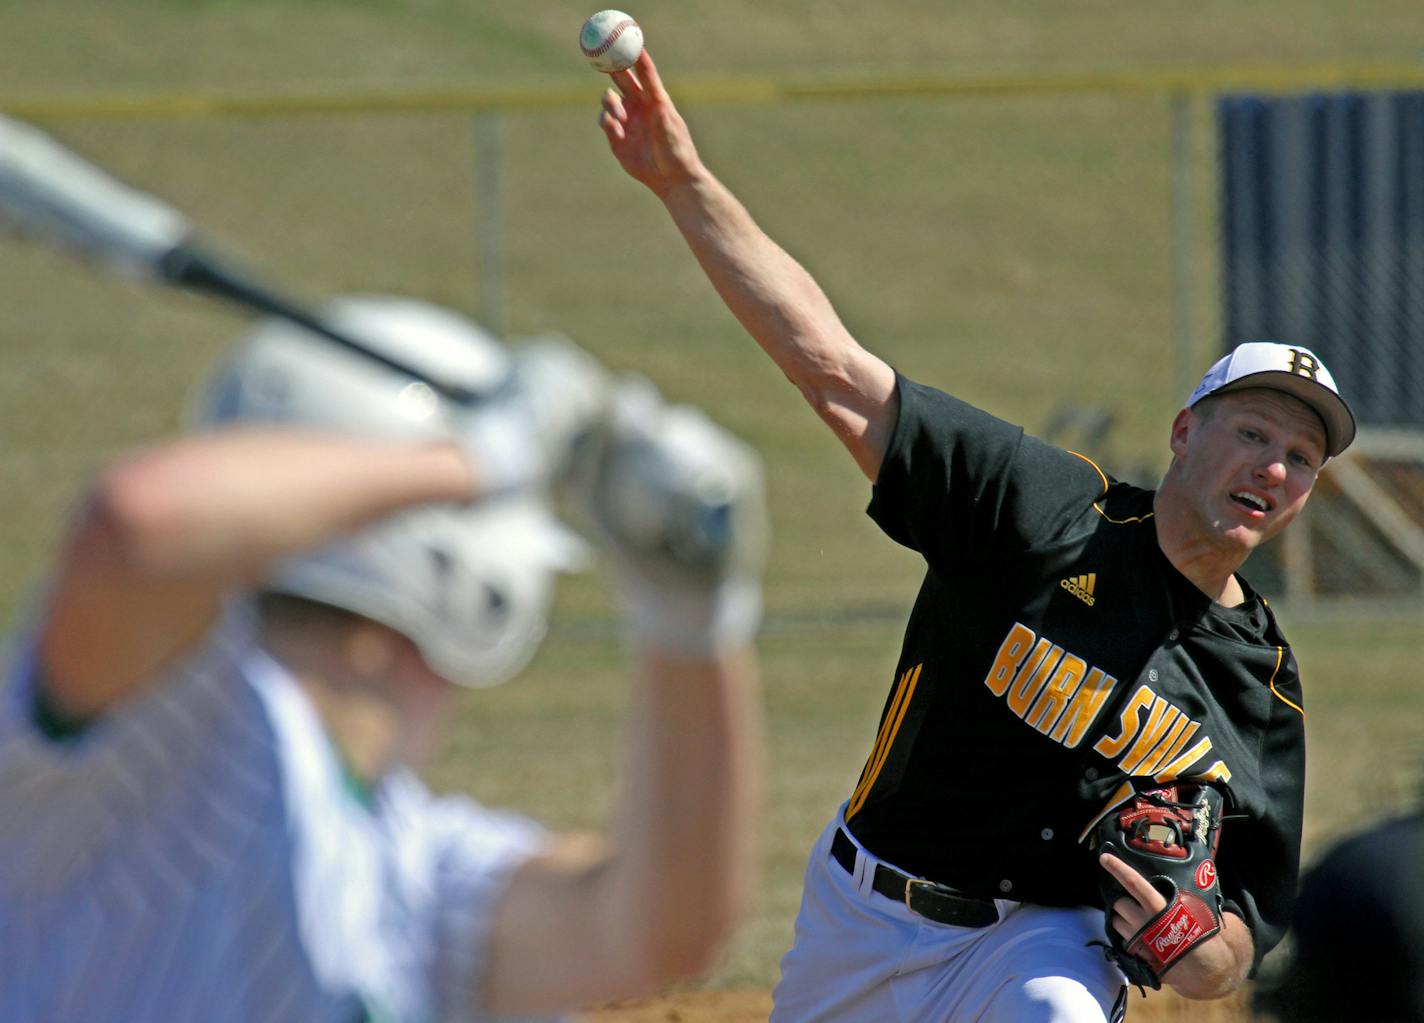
{"x": 647, "y": 135}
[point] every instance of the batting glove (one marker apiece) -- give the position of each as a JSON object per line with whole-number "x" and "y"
{"x": 525, "y": 437}
{"x": 677, "y": 505}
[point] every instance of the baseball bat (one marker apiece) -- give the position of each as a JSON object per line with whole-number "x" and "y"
{"x": 51, "y": 193}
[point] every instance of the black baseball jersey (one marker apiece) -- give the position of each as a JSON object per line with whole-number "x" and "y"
{"x": 1054, "y": 651}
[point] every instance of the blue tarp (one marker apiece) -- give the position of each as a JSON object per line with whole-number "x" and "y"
{"x": 1322, "y": 227}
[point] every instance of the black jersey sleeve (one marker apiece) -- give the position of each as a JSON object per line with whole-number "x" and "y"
{"x": 957, "y": 481}
{"x": 1259, "y": 859}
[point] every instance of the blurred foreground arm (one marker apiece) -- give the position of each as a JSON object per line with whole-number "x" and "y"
{"x": 677, "y": 508}
{"x": 166, "y": 533}
{"x": 772, "y": 295}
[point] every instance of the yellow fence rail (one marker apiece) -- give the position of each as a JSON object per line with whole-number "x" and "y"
{"x": 741, "y": 91}
{"x": 1187, "y": 90}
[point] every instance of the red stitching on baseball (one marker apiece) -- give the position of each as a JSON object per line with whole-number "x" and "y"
{"x": 612, "y": 38}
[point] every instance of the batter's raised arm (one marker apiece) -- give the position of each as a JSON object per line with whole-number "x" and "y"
{"x": 167, "y": 533}
{"x": 772, "y": 295}
{"x": 590, "y": 923}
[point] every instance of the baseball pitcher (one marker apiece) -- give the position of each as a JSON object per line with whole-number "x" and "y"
{"x": 1089, "y": 766}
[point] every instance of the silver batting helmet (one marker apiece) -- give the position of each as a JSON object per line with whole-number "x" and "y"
{"x": 470, "y": 586}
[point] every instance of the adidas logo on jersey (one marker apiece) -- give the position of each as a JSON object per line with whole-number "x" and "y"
{"x": 1081, "y": 586}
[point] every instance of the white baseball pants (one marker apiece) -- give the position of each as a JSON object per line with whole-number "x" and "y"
{"x": 860, "y": 957}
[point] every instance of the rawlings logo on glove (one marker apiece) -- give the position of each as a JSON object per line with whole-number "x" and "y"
{"x": 1168, "y": 834}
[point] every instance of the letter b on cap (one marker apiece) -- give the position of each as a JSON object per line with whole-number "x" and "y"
{"x": 1303, "y": 364}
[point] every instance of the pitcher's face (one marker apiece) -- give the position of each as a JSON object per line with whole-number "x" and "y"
{"x": 1247, "y": 461}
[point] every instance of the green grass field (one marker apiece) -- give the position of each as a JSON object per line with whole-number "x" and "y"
{"x": 1013, "y": 250}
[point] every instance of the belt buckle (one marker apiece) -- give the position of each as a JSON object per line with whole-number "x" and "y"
{"x": 910, "y": 883}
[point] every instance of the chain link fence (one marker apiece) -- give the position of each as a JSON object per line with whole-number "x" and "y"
{"x": 1322, "y": 240}
{"x": 1061, "y": 250}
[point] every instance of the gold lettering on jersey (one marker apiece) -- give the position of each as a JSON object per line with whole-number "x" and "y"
{"x": 1050, "y": 703}
{"x": 1217, "y": 772}
{"x": 1159, "y": 722}
{"x": 1158, "y": 740}
{"x": 1030, "y": 683}
{"x": 1111, "y": 747}
{"x": 1087, "y": 702}
{"x": 1183, "y": 763}
{"x": 1060, "y": 695}
{"x": 1170, "y": 746}
{"x": 1012, "y": 652}
{"x": 1047, "y": 686}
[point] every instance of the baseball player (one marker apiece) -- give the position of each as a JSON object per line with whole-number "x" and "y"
{"x": 1072, "y": 633}
{"x": 251, "y": 635}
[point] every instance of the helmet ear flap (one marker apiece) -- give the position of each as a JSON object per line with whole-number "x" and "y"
{"x": 488, "y": 612}
{"x": 471, "y": 587}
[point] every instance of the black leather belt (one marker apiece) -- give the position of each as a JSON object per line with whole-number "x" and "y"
{"x": 930, "y": 900}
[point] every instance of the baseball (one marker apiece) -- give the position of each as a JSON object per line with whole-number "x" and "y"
{"x": 611, "y": 40}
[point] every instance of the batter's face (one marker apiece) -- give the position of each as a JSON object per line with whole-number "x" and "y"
{"x": 1247, "y": 460}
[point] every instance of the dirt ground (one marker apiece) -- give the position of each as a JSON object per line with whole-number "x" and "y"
{"x": 754, "y": 1006}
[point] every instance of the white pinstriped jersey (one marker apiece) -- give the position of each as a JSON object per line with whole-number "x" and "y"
{"x": 200, "y": 854}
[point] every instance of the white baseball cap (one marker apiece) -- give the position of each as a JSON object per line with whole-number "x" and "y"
{"x": 1290, "y": 368}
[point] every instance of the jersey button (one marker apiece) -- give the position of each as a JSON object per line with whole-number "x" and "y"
{"x": 1173, "y": 635}
{"x": 1046, "y": 834}
{"x": 1006, "y": 885}
{"x": 1091, "y": 774}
